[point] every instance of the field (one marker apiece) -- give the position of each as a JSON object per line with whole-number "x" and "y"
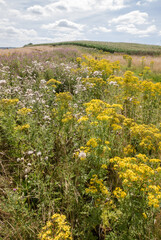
{"x": 117, "y": 47}
{"x": 80, "y": 143}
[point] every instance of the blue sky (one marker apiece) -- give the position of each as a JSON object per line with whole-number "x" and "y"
{"x": 38, "y": 21}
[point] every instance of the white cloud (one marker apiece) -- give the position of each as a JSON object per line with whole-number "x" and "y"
{"x": 101, "y": 29}
{"x": 5, "y": 22}
{"x": 56, "y": 10}
{"x": 2, "y": 2}
{"x": 14, "y": 13}
{"x": 23, "y": 16}
{"x": 65, "y": 30}
{"x": 10, "y": 33}
{"x": 76, "y": 5}
{"x": 74, "y": 35}
{"x": 39, "y": 39}
{"x": 36, "y": 9}
{"x": 151, "y": 0}
{"x": 134, "y": 17}
{"x": 59, "y": 20}
{"x": 49, "y": 9}
{"x": 69, "y": 8}
{"x": 134, "y": 23}
{"x": 145, "y": 2}
{"x": 139, "y": 3}
{"x": 63, "y": 24}
{"x": 132, "y": 29}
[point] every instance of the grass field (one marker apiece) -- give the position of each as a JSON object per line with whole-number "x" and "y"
{"x": 80, "y": 144}
{"x": 112, "y": 47}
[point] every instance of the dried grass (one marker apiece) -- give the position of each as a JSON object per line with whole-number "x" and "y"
{"x": 136, "y": 60}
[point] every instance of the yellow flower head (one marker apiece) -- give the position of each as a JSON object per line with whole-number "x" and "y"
{"x": 92, "y": 142}
{"x": 8, "y": 102}
{"x": 24, "y": 111}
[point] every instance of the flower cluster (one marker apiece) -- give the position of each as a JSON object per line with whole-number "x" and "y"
{"x": 8, "y": 102}
{"x": 24, "y": 111}
{"x": 56, "y": 229}
{"x": 97, "y": 186}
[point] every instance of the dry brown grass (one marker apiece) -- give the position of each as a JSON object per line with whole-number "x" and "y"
{"x": 25, "y": 50}
{"x": 136, "y": 60}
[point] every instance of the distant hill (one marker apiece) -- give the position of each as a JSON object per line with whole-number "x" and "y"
{"x": 118, "y": 47}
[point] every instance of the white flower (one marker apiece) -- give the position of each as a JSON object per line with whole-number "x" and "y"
{"x": 43, "y": 81}
{"x": 27, "y": 170}
{"x": 30, "y": 152}
{"x": 82, "y": 155}
{"x": 39, "y": 153}
{"x": 113, "y": 83}
{"x": 97, "y": 73}
{"x": 3, "y": 82}
{"x": 46, "y": 118}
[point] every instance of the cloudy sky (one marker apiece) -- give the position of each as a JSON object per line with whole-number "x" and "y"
{"x": 38, "y": 21}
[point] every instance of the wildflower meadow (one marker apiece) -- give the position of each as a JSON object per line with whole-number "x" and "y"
{"x": 80, "y": 146}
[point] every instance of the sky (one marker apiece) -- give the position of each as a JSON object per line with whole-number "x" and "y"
{"x": 37, "y": 21}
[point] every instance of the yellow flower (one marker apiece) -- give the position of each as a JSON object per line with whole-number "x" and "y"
{"x": 153, "y": 201}
{"x": 116, "y": 127}
{"x": 61, "y": 229}
{"x": 8, "y": 102}
{"x": 129, "y": 149}
{"x": 83, "y": 119}
{"x": 97, "y": 186}
{"x": 67, "y": 117}
{"x": 93, "y": 82}
{"x": 92, "y": 142}
{"x": 53, "y": 81}
{"x": 22, "y": 127}
{"x": 78, "y": 59}
{"x": 24, "y": 111}
{"x": 144, "y": 215}
{"x": 104, "y": 166}
{"x": 158, "y": 169}
{"x": 119, "y": 193}
{"x": 63, "y": 97}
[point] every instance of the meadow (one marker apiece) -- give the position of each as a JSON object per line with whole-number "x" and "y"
{"x": 80, "y": 145}
{"x": 116, "y": 47}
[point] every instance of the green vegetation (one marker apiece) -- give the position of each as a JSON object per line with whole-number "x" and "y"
{"x": 80, "y": 147}
{"x": 112, "y": 47}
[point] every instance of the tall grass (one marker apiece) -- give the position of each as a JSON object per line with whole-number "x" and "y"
{"x": 80, "y": 148}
